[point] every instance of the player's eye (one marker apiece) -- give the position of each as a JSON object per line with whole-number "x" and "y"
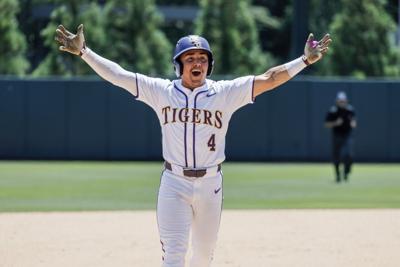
{"x": 189, "y": 60}
{"x": 203, "y": 60}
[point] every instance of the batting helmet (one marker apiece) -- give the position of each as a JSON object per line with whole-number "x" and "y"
{"x": 191, "y": 42}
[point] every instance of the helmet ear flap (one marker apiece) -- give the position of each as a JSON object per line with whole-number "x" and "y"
{"x": 210, "y": 63}
{"x": 210, "y": 67}
{"x": 178, "y": 68}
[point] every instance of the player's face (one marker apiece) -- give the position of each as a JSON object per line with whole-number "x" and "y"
{"x": 195, "y": 65}
{"x": 341, "y": 103}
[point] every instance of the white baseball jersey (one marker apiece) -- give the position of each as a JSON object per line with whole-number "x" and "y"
{"x": 194, "y": 123}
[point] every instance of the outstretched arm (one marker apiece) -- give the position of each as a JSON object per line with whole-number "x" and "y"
{"x": 108, "y": 70}
{"x": 313, "y": 51}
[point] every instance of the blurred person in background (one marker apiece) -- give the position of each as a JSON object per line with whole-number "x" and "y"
{"x": 341, "y": 119}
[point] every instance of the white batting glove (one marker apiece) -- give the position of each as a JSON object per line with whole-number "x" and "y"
{"x": 314, "y": 50}
{"x": 72, "y": 43}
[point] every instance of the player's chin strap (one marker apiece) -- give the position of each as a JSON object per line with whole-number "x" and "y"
{"x": 295, "y": 66}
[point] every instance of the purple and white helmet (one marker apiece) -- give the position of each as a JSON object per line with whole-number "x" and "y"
{"x": 191, "y": 42}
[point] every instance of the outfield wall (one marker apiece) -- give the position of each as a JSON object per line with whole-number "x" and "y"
{"x": 91, "y": 119}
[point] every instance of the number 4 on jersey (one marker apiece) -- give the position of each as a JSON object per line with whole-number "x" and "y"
{"x": 211, "y": 142}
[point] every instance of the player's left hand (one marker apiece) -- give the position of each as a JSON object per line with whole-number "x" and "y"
{"x": 314, "y": 50}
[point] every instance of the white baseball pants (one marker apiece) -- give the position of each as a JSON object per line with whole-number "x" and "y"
{"x": 184, "y": 205}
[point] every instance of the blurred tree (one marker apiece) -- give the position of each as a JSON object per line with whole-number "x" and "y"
{"x": 177, "y": 2}
{"x": 321, "y": 15}
{"x": 12, "y": 41}
{"x": 135, "y": 38}
{"x": 33, "y": 18}
{"x": 392, "y": 7}
{"x": 272, "y": 35}
{"x": 231, "y": 29}
{"x": 179, "y": 17}
{"x": 71, "y": 14}
{"x": 361, "y": 40}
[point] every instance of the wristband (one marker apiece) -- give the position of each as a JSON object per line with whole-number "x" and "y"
{"x": 305, "y": 59}
{"x": 83, "y": 50}
{"x": 295, "y": 66}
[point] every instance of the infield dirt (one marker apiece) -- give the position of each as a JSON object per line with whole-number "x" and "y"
{"x": 251, "y": 238}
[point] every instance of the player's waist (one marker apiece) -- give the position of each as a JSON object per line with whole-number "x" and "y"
{"x": 192, "y": 173}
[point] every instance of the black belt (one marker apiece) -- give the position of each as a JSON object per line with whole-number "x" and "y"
{"x": 191, "y": 173}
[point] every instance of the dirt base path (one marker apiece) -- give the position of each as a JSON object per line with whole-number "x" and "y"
{"x": 301, "y": 238}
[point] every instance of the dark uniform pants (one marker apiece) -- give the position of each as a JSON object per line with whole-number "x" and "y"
{"x": 342, "y": 153}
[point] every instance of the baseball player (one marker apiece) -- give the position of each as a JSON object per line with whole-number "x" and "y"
{"x": 341, "y": 118}
{"x": 194, "y": 114}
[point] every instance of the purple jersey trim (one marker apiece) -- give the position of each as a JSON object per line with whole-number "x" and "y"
{"x": 137, "y": 87}
{"x": 252, "y": 90}
{"x": 194, "y": 130}
{"x": 222, "y": 196}
{"x": 184, "y": 138}
{"x": 158, "y": 223}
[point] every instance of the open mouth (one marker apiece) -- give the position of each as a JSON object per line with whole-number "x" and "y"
{"x": 196, "y": 73}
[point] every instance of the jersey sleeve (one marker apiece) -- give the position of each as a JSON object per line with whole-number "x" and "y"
{"x": 238, "y": 92}
{"x": 148, "y": 90}
{"x": 142, "y": 87}
{"x": 352, "y": 112}
{"x": 331, "y": 115}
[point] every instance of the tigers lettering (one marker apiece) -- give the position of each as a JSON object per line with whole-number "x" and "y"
{"x": 192, "y": 115}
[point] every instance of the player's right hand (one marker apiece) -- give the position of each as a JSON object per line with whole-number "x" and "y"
{"x": 72, "y": 43}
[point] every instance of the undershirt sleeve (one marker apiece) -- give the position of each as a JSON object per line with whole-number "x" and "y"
{"x": 111, "y": 71}
{"x": 142, "y": 87}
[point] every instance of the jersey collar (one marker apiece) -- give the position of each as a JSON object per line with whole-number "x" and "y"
{"x": 205, "y": 86}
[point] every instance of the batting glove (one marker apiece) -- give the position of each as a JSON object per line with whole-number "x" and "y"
{"x": 72, "y": 43}
{"x": 314, "y": 50}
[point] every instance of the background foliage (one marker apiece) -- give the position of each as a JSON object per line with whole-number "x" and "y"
{"x": 68, "y": 14}
{"x": 363, "y": 44}
{"x": 12, "y": 41}
{"x": 138, "y": 43}
{"x": 231, "y": 30}
{"x": 247, "y": 36}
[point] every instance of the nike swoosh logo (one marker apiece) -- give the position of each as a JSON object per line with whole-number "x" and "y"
{"x": 217, "y": 190}
{"x": 211, "y": 94}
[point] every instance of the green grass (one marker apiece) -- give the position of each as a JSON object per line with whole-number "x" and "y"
{"x": 77, "y": 186}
